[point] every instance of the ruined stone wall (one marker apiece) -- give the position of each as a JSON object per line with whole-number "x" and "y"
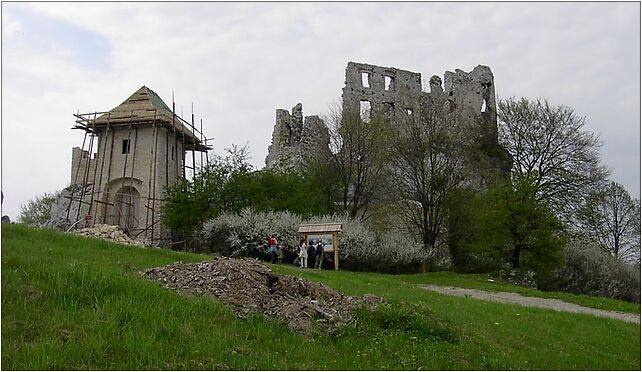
{"x": 466, "y": 100}
{"x": 387, "y": 90}
{"x": 80, "y": 161}
{"x": 297, "y": 140}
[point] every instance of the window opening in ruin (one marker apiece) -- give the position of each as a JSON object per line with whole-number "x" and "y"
{"x": 388, "y": 83}
{"x": 364, "y": 110}
{"x": 389, "y": 109}
{"x": 484, "y": 107}
{"x": 125, "y": 146}
{"x": 409, "y": 111}
{"x": 365, "y": 79}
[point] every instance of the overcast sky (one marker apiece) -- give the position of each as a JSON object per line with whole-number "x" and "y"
{"x": 238, "y": 62}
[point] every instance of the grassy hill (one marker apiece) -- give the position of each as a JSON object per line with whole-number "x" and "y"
{"x": 77, "y": 303}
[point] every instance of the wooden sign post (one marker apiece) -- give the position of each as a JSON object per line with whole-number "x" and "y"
{"x": 324, "y": 229}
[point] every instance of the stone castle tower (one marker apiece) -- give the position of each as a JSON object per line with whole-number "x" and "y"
{"x": 139, "y": 149}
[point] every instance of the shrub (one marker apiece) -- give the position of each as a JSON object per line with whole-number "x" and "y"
{"x": 590, "y": 270}
{"x": 360, "y": 249}
{"x": 38, "y": 211}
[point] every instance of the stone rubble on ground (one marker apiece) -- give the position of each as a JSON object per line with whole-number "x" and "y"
{"x": 107, "y": 232}
{"x": 249, "y": 286}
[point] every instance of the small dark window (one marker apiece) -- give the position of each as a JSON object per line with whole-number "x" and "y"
{"x": 125, "y": 146}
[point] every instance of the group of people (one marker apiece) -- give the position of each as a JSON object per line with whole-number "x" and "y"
{"x": 316, "y": 249}
{"x": 302, "y": 255}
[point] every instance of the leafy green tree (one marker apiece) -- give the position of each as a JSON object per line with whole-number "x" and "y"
{"x": 230, "y": 184}
{"x": 187, "y": 205}
{"x": 535, "y": 233}
{"x": 504, "y": 225}
{"x": 476, "y": 239}
{"x": 266, "y": 190}
{"x": 37, "y": 211}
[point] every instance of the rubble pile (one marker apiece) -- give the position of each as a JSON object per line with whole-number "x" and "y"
{"x": 250, "y": 286}
{"x": 107, "y": 232}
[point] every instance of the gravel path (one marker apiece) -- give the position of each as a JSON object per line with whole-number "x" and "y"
{"x": 545, "y": 303}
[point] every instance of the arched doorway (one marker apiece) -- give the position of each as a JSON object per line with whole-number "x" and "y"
{"x": 127, "y": 204}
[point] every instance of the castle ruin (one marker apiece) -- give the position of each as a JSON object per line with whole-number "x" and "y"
{"x": 467, "y": 99}
{"x": 296, "y": 140}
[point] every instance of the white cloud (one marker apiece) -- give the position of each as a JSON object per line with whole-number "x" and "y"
{"x": 238, "y": 62}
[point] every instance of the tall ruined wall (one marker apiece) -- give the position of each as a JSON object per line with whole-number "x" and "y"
{"x": 386, "y": 90}
{"x": 80, "y": 160}
{"x": 296, "y": 140}
{"x": 465, "y": 99}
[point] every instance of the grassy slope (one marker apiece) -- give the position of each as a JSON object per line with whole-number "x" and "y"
{"x": 76, "y": 303}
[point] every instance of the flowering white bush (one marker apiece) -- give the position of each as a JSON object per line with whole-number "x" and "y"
{"x": 590, "y": 270}
{"x": 246, "y": 233}
{"x": 359, "y": 247}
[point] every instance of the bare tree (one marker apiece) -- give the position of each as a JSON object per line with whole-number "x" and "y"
{"x": 427, "y": 165}
{"x": 612, "y": 218}
{"x": 359, "y": 152}
{"x": 549, "y": 145}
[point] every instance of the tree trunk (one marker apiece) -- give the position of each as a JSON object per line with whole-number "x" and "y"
{"x": 514, "y": 260}
{"x": 424, "y": 267}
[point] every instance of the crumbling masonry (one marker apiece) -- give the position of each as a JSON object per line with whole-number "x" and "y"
{"x": 296, "y": 141}
{"x": 466, "y": 99}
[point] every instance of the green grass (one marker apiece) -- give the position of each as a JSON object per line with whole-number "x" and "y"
{"x": 76, "y": 303}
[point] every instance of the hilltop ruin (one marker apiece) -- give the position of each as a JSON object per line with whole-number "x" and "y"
{"x": 467, "y": 98}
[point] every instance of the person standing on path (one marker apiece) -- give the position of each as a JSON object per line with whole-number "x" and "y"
{"x": 303, "y": 253}
{"x": 273, "y": 248}
{"x": 319, "y": 251}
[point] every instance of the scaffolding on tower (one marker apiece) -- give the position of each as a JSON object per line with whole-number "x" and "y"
{"x": 108, "y": 185}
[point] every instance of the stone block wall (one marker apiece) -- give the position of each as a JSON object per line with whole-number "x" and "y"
{"x": 296, "y": 140}
{"x": 386, "y": 90}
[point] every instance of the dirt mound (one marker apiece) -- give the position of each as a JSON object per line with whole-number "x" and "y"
{"x": 107, "y": 232}
{"x": 250, "y": 286}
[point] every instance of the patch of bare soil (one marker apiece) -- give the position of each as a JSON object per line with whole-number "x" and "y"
{"x": 544, "y": 303}
{"x": 250, "y": 286}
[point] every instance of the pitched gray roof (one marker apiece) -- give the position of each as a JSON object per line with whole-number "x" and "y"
{"x": 146, "y": 107}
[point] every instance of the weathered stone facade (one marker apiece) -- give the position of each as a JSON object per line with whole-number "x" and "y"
{"x": 464, "y": 99}
{"x": 295, "y": 140}
{"x": 138, "y": 150}
{"x": 386, "y": 90}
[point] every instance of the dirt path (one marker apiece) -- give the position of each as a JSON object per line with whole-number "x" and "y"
{"x": 545, "y": 303}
